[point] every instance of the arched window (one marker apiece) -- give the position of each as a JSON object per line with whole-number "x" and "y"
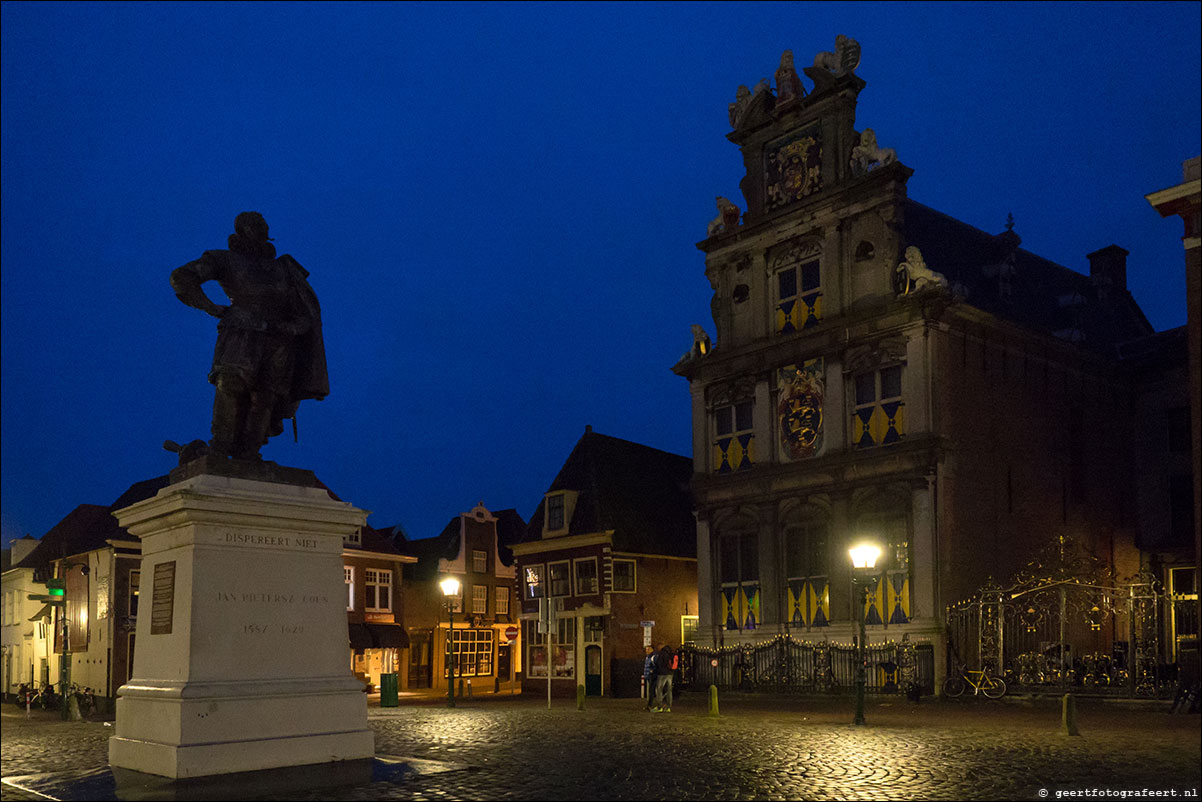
{"x": 807, "y": 576}
{"x": 739, "y": 573}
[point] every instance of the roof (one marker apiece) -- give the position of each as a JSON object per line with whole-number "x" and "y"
{"x": 640, "y": 493}
{"x": 1040, "y": 293}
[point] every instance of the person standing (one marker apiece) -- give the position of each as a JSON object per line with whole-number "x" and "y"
{"x": 665, "y": 660}
{"x": 649, "y": 676}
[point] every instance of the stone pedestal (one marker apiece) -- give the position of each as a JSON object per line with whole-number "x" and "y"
{"x": 241, "y": 660}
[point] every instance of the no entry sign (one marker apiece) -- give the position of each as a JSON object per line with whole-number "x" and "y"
{"x": 511, "y": 634}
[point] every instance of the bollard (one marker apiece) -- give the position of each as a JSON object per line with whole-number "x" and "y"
{"x": 469, "y": 689}
{"x": 579, "y": 697}
{"x": 1068, "y": 715}
{"x": 713, "y": 700}
{"x": 460, "y": 689}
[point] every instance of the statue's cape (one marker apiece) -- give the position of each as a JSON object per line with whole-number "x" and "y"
{"x": 309, "y": 377}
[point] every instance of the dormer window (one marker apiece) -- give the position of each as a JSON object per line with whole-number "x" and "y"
{"x": 555, "y": 510}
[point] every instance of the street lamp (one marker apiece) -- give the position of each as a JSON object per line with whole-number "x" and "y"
{"x": 450, "y": 589}
{"x": 863, "y": 560}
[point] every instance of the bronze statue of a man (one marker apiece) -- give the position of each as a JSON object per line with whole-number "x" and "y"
{"x": 270, "y": 355}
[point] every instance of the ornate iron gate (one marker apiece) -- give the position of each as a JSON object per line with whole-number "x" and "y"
{"x": 786, "y": 665}
{"x": 1065, "y": 623}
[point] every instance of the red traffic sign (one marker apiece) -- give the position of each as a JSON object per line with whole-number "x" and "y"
{"x": 511, "y": 634}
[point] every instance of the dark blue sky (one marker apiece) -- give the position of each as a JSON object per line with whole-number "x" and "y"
{"x": 499, "y": 206}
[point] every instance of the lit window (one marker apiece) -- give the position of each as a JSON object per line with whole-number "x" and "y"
{"x": 135, "y": 579}
{"x": 586, "y": 576}
{"x": 502, "y": 602}
{"x": 479, "y": 561}
{"x": 624, "y": 576}
{"x": 734, "y": 439}
{"x": 534, "y": 582}
{"x": 378, "y": 588}
{"x": 479, "y": 599}
{"x": 348, "y": 576}
{"x": 473, "y": 652}
{"x": 879, "y": 416}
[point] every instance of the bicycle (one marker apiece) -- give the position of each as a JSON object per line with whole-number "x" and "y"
{"x": 981, "y": 681}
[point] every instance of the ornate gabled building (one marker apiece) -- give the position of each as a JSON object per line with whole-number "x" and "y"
{"x": 881, "y": 370}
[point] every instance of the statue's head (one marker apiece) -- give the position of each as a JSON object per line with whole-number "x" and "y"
{"x": 252, "y": 226}
{"x": 786, "y": 60}
{"x": 250, "y": 236}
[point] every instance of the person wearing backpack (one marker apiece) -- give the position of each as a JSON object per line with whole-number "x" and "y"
{"x": 665, "y": 666}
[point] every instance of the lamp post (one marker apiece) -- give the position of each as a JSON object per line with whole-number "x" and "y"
{"x": 450, "y": 589}
{"x": 863, "y": 560}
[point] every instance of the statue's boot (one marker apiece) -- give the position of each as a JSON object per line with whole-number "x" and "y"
{"x": 227, "y": 421}
{"x": 254, "y": 430}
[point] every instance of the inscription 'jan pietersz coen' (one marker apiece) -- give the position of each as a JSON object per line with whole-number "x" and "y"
{"x": 273, "y": 598}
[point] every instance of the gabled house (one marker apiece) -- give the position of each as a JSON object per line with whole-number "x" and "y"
{"x": 25, "y": 633}
{"x": 612, "y": 546}
{"x": 473, "y": 548}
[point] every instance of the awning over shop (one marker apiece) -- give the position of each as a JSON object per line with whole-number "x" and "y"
{"x": 360, "y": 637}
{"x": 388, "y": 636}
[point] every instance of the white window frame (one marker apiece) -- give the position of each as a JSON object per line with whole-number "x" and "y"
{"x": 567, "y": 566}
{"x": 348, "y": 576}
{"x": 540, "y": 570}
{"x": 561, "y": 503}
{"x": 479, "y": 561}
{"x": 596, "y": 585}
{"x": 634, "y": 575}
{"x": 479, "y": 599}
{"x": 502, "y": 600}
{"x": 379, "y": 579}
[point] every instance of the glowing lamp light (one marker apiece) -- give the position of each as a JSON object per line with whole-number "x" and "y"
{"x": 864, "y": 555}
{"x": 450, "y": 586}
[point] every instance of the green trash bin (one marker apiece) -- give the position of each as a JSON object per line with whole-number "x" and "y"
{"x": 388, "y": 690}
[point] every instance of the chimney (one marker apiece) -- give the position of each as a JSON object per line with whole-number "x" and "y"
{"x": 1109, "y": 267}
{"x": 22, "y": 547}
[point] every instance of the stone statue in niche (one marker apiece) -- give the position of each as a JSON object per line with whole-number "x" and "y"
{"x": 843, "y": 61}
{"x": 727, "y": 219}
{"x": 867, "y": 153}
{"x": 788, "y": 85}
{"x": 914, "y": 275}
{"x": 270, "y": 354}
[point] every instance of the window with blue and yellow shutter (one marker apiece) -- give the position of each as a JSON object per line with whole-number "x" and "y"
{"x": 879, "y": 415}
{"x": 798, "y": 297}
{"x": 734, "y": 437}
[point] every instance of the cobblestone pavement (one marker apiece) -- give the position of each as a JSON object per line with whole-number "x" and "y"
{"x": 759, "y": 748}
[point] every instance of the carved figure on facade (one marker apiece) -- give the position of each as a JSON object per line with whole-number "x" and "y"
{"x": 788, "y": 85}
{"x": 843, "y": 61}
{"x": 914, "y": 275}
{"x": 868, "y": 153}
{"x": 739, "y": 107}
{"x": 701, "y": 343}
{"x": 727, "y": 219}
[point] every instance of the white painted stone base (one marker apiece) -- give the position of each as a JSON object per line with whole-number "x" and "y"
{"x": 241, "y": 660}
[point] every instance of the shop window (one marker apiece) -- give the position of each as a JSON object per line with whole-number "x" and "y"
{"x": 624, "y": 576}
{"x": 479, "y": 561}
{"x": 734, "y": 438}
{"x": 878, "y": 418}
{"x": 480, "y": 599}
{"x": 472, "y": 652}
{"x": 564, "y": 650}
{"x": 378, "y": 588}
{"x": 559, "y": 575}
{"x": 586, "y": 576}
